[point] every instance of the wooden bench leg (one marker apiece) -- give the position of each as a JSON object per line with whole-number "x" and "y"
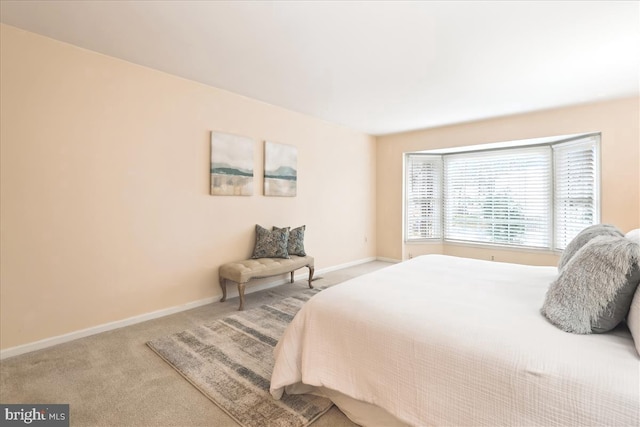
{"x": 310, "y": 276}
{"x": 223, "y": 285}
{"x": 241, "y": 293}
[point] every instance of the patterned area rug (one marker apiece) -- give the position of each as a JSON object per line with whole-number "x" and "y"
{"x": 231, "y": 360}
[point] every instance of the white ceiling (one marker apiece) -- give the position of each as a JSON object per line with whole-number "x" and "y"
{"x": 377, "y": 67}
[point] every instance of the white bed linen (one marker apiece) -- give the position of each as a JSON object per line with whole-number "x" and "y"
{"x": 440, "y": 340}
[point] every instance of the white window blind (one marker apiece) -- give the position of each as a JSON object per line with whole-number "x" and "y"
{"x": 576, "y": 190}
{"x": 499, "y": 197}
{"x": 423, "y": 208}
{"x": 538, "y": 196}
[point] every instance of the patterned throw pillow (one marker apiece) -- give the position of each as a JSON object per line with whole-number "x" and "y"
{"x": 296, "y": 241}
{"x": 271, "y": 244}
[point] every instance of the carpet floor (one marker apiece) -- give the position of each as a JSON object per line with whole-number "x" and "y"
{"x": 115, "y": 379}
{"x": 231, "y": 361}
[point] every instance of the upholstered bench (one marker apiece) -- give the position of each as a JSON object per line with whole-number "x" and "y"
{"x": 243, "y": 271}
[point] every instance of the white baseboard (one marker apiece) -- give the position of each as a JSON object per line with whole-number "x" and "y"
{"x": 71, "y": 336}
{"x": 345, "y": 265}
{"x": 231, "y": 293}
{"x": 385, "y": 259}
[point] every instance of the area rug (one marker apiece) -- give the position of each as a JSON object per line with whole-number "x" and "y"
{"x": 230, "y": 361}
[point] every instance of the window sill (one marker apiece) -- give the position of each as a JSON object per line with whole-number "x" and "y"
{"x": 506, "y": 248}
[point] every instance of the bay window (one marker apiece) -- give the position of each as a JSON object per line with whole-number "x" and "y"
{"x": 537, "y": 196}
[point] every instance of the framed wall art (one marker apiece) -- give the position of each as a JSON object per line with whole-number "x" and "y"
{"x": 280, "y": 169}
{"x": 231, "y": 165}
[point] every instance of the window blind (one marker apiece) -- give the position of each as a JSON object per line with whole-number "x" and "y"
{"x": 575, "y": 188}
{"x": 537, "y": 196}
{"x": 423, "y": 207}
{"x": 499, "y": 197}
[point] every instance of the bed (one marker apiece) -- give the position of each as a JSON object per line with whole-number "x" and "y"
{"x": 441, "y": 340}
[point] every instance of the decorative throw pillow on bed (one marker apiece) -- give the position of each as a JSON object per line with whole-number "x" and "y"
{"x": 584, "y": 237}
{"x": 593, "y": 292}
{"x": 634, "y": 235}
{"x": 296, "y": 241}
{"x": 271, "y": 244}
{"x": 633, "y": 320}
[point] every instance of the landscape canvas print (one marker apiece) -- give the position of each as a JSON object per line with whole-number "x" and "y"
{"x": 231, "y": 165}
{"x": 280, "y": 169}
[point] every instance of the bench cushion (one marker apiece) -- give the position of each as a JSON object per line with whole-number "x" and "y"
{"x": 243, "y": 271}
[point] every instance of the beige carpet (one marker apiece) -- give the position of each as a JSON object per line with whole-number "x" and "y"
{"x": 114, "y": 379}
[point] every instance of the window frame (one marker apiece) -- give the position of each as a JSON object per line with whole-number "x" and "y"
{"x": 587, "y": 138}
{"x": 476, "y": 164}
{"x": 405, "y": 204}
{"x": 597, "y": 199}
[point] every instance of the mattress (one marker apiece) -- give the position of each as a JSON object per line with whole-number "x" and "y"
{"x": 440, "y": 340}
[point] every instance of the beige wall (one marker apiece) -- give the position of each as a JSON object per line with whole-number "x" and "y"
{"x": 105, "y": 205}
{"x": 618, "y": 121}
{"x": 105, "y": 212}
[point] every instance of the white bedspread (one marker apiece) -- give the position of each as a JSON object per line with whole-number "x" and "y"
{"x": 440, "y": 340}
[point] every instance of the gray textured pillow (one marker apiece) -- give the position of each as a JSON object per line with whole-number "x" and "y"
{"x": 593, "y": 292}
{"x": 620, "y": 306}
{"x": 633, "y": 320}
{"x": 271, "y": 244}
{"x": 584, "y": 237}
{"x": 296, "y": 241}
{"x": 634, "y": 235}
